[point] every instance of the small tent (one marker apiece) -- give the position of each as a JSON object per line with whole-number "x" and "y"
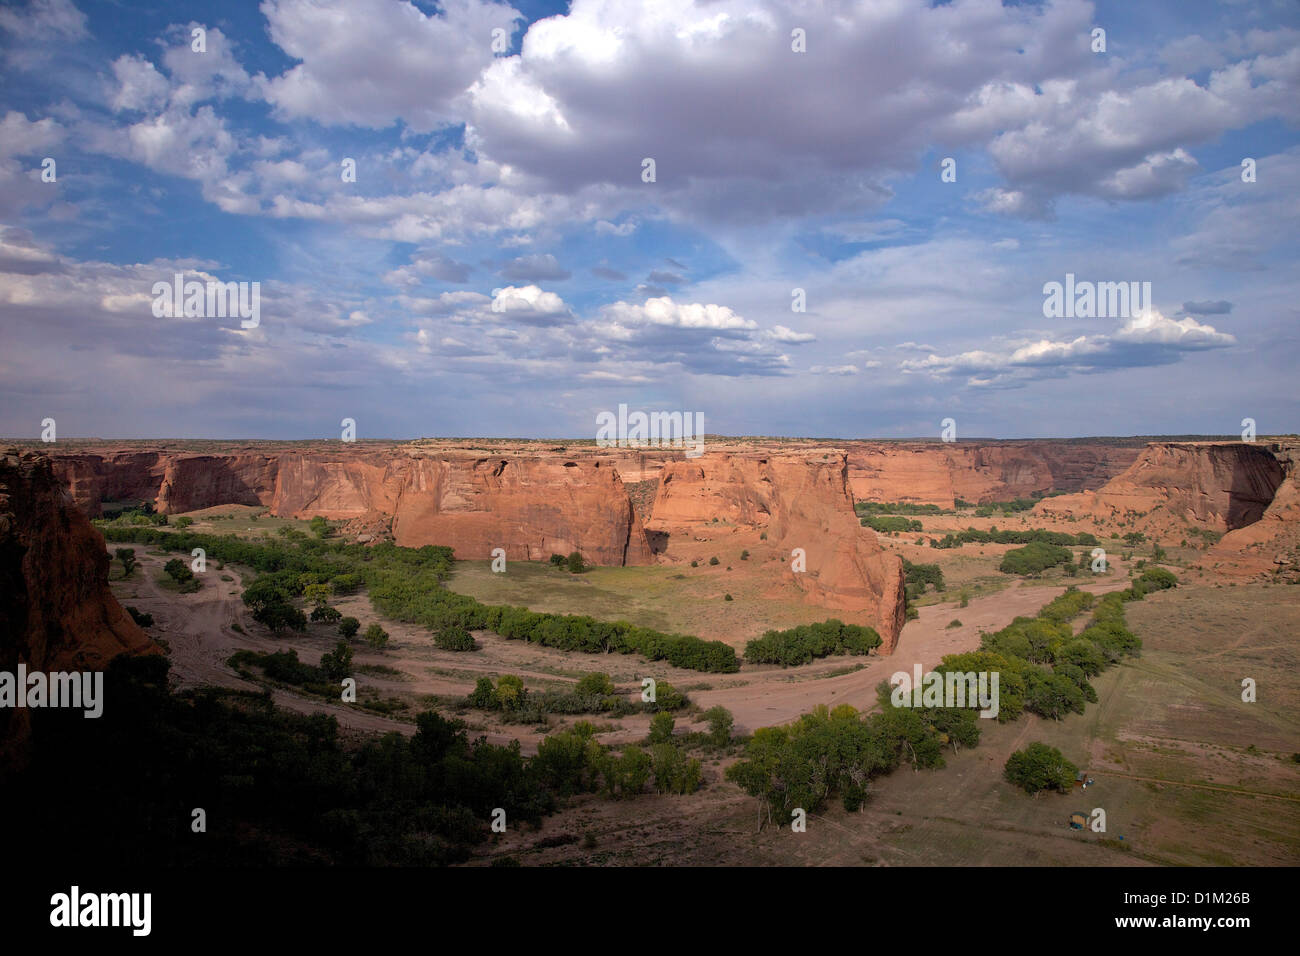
{"x": 1078, "y": 820}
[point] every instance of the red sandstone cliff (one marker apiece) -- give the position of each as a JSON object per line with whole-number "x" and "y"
{"x": 530, "y": 506}
{"x": 801, "y": 502}
{"x": 57, "y": 612}
{"x": 1215, "y": 485}
{"x": 938, "y": 472}
{"x": 1271, "y": 544}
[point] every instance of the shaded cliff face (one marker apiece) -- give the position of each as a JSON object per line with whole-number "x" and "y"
{"x": 938, "y": 473}
{"x": 801, "y": 503}
{"x": 57, "y": 613}
{"x": 1271, "y": 544}
{"x": 127, "y": 476}
{"x": 1218, "y": 486}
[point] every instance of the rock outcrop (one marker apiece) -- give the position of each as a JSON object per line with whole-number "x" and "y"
{"x": 530, "y": 506}
{"x": 1217, "y": 486}
{"x": 938, "y": 473}
{"x": 1271, "y": 545}
{"x": 800, "y": 502}
{"x": 57, "y": 612}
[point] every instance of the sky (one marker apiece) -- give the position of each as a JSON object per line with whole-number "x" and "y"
{"x": 854, "y": 212}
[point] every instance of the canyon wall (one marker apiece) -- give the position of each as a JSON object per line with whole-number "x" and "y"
{"x": 530, "y": 506}
{"x": 1218, "y": 486}
{"x": 938, "y": 473}
{"x": 1271, "y": 544}
{"x": 800, "y": 502}
{"x": 57, "y": 612}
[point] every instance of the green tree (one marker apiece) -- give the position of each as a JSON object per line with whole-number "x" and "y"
{"x": 338, "y": 663}
{"x": 510, "y": 692}
{"x": 1040, "y": 767}
{"x": 348, "y": 627}
{"x": 325, "y": 614}
{"x": 720, "y": 724}
{"x": 319, "y": 527}
{"x": 317, "y": 594}
{"x": 575, "y": 563}
{"x": 661, "y": 728}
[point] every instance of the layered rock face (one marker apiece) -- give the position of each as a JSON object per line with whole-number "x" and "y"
{"x": 800, "y": 502}
{"x": 57, "y": 612}
{"x": 1271, "y": 544}
{"x": 1219, "y": 486}
{"x": 530, "y": 506}
{"x": 939, "y": 472}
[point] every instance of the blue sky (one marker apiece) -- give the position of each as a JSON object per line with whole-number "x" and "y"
{"x": 499, "y": 268}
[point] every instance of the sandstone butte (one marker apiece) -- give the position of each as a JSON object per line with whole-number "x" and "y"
{"x": 57, "y": 612}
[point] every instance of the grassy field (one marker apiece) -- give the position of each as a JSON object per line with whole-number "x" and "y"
{"x": 678, "y": 599}
{"x": 1186, "y": 772}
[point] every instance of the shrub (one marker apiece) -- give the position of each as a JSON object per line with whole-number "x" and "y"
{"x": 921, "y": 575}
{"x": 595, "y": 684}
{"x": 886, "y": 525}
{"x": 714, "y": 562}
{"x": 1035, "y": 558}
{"x": 726, "y": 597}
{"x": 127, "y": 557}
{"x": 454, "y": 638}
{"x": 1155, "y": 579}
{"x": 800, "y": 645}
{"x": 575, "y": 563}
{"x": 348, "y": 627}
{"x": 376, "y": 636}
{"x": 143, "y": 618}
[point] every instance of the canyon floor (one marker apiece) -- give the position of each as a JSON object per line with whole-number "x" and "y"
{"x": 1186, "y": 772}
